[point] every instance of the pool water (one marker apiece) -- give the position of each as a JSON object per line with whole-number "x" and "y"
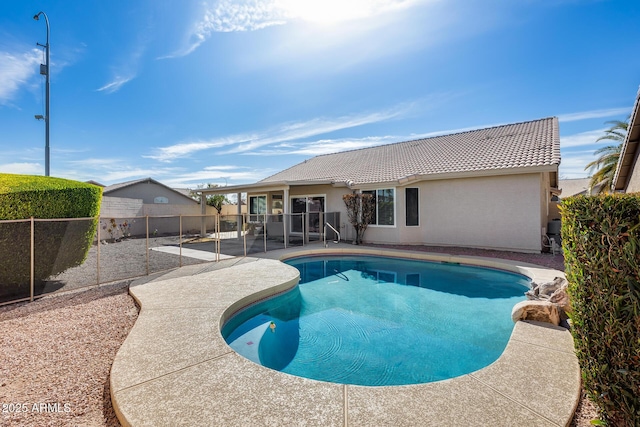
{"x": 381, "y": 321}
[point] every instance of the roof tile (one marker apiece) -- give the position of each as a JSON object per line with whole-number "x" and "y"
{"x": 518, "y": 145}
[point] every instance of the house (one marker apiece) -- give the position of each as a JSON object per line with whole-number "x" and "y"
{"x": 148, "y": 197}
{"x": 577, "y": 187}
{"x": 627, "y": 176}
{"x": 485, "y": 188}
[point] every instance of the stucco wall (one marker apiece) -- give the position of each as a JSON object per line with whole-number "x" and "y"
{"x": 634, "y": 181}
{"x": 487, "y": 212}
{"x": 134, "y": 211}
{"x": 232, "y": 209}
{"x": 120, "y": 207}
{"x": 505, "y": 212}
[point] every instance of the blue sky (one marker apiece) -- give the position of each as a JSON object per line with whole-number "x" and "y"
{"x": 230, "y": 92}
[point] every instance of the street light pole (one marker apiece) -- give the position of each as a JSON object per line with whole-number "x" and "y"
{"x": 47, "y": 75}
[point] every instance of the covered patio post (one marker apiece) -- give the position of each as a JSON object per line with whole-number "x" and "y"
{"x": 203, "y": 211}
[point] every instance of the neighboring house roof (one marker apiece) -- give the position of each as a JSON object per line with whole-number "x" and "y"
{"x": 576, "y": 187}
{"x": 184, "y": 191}
{"x": 629, "y": 153}
{"x": 111, "y": 188}
{"x": 533, "y": 145}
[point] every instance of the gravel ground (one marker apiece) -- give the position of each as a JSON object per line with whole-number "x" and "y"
{"x": 56, "y": 356}
{"x": 127, "y": 259}
{"x": 59, "y": 349}
{"x": 119, "y": 261}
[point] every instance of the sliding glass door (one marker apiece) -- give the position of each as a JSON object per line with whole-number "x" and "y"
{"x": 311, "y": 205}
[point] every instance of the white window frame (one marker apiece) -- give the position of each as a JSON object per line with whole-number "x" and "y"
{"x": 395, "y": 207}
{"x": 306, "y": 196}
{"x": 255, "y": 217}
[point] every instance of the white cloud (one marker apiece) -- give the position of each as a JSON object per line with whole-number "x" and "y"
{"x": 334, "y": 11}
{"x": 573, "y": 163}
{"x": 324, "y": 146}
{"x": 23, "y": 168}
{"x": 577, "y": 151}
{"x": 225, "y": 168}
{"x": 225, "y": 16}
{"x": 127, "y": 68}
{"x": 252, "y": 15}
{"x": 582, "y": 139}
{"x": 184, "y": 149}
{"x": 109, "y": 170}
{"x": 15, "y": 71}
{"x": 329, "y": 146}
{"x": 284, "y": 133}
{"x": 593, "y": 114}
{"x": 114, "y": 85}
{"x": 219, "y": 175}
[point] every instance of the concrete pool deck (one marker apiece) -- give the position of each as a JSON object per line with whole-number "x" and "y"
{"x": 175, "y": 368}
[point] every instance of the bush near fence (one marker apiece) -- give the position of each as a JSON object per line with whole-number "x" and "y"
{"x": 61, "y": 244}
{"x": 601, "y": 240}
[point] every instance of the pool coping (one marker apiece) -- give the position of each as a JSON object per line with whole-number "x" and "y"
{"x": 175, "y": 368}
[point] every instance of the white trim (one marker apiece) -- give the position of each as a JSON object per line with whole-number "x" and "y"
{"x": 306, "y": 196}
{"x": 395, "y": 208}
{"x": 257, "y": 215}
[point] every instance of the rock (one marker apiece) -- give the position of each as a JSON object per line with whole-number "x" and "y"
{"x": 531, "y": 294}
{"x": 545, "y": 290}
{"x": 561, "y": 298}
{"x": 541, "y": 311}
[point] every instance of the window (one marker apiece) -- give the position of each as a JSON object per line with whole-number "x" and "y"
{"x": 276, "y": 204}
{"x": 411, "y": 201}
{"x": 257, "y": 206}
{"x": 160, "y": 199}
{"x": 385, "y": 206}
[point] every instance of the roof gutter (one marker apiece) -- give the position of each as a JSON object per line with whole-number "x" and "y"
{"x": 270, "y": 186}
{"x": 257, "y": 186}
{"x": 285, "y": 185}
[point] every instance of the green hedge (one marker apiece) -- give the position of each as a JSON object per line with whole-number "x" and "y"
{"x": 59, "y": 245}
{"x": 601, "y": 240}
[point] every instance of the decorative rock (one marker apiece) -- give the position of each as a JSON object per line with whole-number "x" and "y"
{"x": 561, "y": 298}
{"x": 541, "y": 311}
{"x": 545, "y": 290}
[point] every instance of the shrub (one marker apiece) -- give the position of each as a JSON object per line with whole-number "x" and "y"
{"x": 59, "y": 245}
{"x": 360, "y": 211}
{"x": 601, "y": 239}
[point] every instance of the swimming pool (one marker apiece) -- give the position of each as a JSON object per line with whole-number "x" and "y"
{"x": 380, "y": 321}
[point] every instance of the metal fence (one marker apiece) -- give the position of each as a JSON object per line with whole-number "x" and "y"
{"x": 127, "y": 248}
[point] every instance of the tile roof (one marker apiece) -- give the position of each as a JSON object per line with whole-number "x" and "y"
{"x": 113, "y": 187}
{"x": 520, "y": 145}
{"x": 574, "y": 187}
{"x": 120, "y": 185}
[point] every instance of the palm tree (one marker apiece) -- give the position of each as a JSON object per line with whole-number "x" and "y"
{"x": 605, "y": 165}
